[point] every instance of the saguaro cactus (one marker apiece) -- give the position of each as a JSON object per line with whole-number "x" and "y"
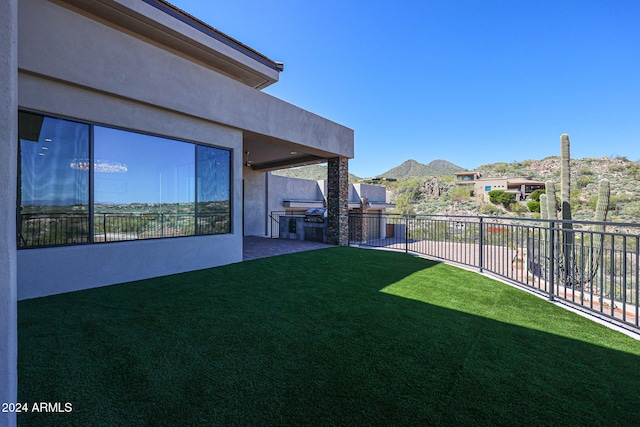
{"x": 602, "y": 207}
{"x": 544, "y": 213}
{"x": 552, "y": 206}
{"x": 565, "y": 260}
{"x": 565, "y": 179}
{"x": 565, "y": 205}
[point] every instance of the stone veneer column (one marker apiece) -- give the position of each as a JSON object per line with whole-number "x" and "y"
{"x": 363, "y": 224}
{"x": 338, "y": 201}
{"x": 8, "y": 183}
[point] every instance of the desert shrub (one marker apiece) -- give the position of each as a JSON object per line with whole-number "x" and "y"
{"x": 410, "y": 188}
{"x": 534, "y": 206}
{"x": 574, "y": 199}
{"x": 502, "y": 167}
{"x": 619, "y": 202}
{"x": 633, "y": 210}
{"x": 535, "y": 196}
{"x": 432, "y": 206}
{"x": 459, "y": 194}
{"x": 506, "y": 199}
{"x": 585, "y": 171}
{"x": 584, "y": 180}
{"x": 633, "y": 171}
{"x": 488, "y": 210}
{"x": 502, "y": 197}
{"x": 616, "y": 168}
{"x": 518, "y": 208}
{"x": 404, "y": 205}
{"x": 494, "y": 195}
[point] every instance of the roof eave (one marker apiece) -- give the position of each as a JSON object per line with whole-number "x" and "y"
{"x": 166, "y": 25}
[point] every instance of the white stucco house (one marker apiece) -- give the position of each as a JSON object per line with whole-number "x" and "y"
{"x": 134, "y": 142}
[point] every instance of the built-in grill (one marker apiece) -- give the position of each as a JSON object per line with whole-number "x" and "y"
{"x": 308, "y": 226}
{"x": 314, "y": 215}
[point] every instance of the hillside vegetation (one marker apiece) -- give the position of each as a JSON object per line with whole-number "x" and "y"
{"x": 440, "y": 195}
{"x": 412, "y": 168}
{"x": 408, "y": 169}
{"x": 430, "y": 188}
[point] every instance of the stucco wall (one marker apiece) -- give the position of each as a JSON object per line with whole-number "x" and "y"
{"x": 65, "y": 45}
{"x": 45, "y": 271}
{"x": 255, "y": 209}
{"x": 8, "y": 182}
{"x": 50, "y": 271}
{"x": 282, "y": 188}
{"x": 375, "y": 193}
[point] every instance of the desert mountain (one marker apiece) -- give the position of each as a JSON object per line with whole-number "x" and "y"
{"x": 411, "y": 168}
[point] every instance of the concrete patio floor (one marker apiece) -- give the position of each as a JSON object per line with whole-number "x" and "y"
{"x": 255, "y": 247}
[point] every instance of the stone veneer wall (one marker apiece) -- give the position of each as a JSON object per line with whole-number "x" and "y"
{"x": 338, "y": 201}
{"x": 360, "y": 222}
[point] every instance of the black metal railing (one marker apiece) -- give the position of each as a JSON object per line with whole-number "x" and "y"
{"x": 53, "y": 229}
{"x": 583, "y": 265}
{"x": 275, "y": 219}
{"x": 46, "y": 229}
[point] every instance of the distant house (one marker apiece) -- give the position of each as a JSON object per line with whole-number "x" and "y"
{"x": 467, "y": 179}
{"x": 522, "y": 186}
{"x": 378, "y": 180}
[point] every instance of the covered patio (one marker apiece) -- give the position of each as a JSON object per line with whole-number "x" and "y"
{"x": 255, "y": 247}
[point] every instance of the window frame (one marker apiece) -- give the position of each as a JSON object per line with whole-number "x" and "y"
{"x": 91, "y": 183}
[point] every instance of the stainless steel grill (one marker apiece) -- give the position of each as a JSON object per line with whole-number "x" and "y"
{"x": 315, "y": 215}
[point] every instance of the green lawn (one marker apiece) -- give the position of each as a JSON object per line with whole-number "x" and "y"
{"x": 338, "y": 336}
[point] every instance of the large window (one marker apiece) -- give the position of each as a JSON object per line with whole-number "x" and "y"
{"x": 214, "y": 191}
{"x": 53, "y": 189}
{"x": 83, "y": 183}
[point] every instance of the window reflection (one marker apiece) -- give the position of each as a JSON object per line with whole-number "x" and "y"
{"x": 144, "y": 186}
{"x": 214, "y": 178}
{"x": 53, "y": 195}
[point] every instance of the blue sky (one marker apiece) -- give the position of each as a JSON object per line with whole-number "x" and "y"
{"x": 472, "y": 82}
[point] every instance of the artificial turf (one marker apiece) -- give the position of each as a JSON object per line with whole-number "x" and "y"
{"x": 338, "y": 336}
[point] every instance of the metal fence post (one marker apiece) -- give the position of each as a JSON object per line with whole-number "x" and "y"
{"x": 406, "y": 233}
{"x": 481, "y": 244}
{"x": 552, "y": 258}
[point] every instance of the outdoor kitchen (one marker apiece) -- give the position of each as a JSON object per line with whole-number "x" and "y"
{"x": 310, "y": 225}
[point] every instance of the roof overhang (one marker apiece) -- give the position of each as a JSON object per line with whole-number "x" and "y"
{"x": 264, "y": 153}
{"x": 165, "y": 24}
